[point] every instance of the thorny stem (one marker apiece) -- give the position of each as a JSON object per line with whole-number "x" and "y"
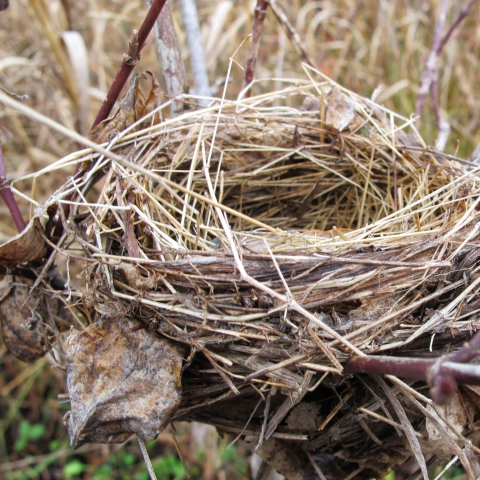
{"x": 8, "y": 198}
{"x": 129, "y": 61}
{"x": 257, "y": 28}
{"x": 443, "y": 374}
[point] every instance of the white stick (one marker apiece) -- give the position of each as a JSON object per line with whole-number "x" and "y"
{"x": 197, "y": 56}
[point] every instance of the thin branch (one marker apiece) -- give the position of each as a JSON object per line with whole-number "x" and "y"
{"x": 68, "y": 13}
{"x": 430, "y": 76}
{"x": 443, "y": 125}
{"x": 443, "y": 374}
{"x": 415, "y": 368}
{"x": 455, "y": 24}
{"x": 197, "y": 55}
{"x": 129, "y": 61}
{"x": 146, "y": 458}
{"x": 7, "y": 195}
{"x": 468, "y": 351}
{"x": 257, "y": 29}
{"x": 431, "y": 71}
{"x": 292, "y": 34}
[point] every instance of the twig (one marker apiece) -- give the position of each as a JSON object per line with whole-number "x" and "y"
{"x": 292, "y": 34}
{"x": 146, "y": 457}
{"x": 450, "y": 464}
{"x": 468, "y": 351}
{"x": 443, "y": 374}
{"x": 177, "y": 446}
{"x": 68, "y": 13}
{"x": 168, "y": 50}
{"x": 407, "y": 426}
{"x": 257, "y": 29}
{"x": 7, "y": 195}
{"x": 444, "y": 128}
{"x": 129, "y": 60}
{"x": 455, "y": 24}
{"x": 430, "y": 76}
{"x": 197, "y": 55}
{"x": 431, "y": 70}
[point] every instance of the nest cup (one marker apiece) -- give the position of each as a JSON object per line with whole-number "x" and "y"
{"x": 275, "y": 237}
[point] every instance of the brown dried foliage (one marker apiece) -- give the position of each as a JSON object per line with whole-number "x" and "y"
{"x": 122, "y": 380}
{"x": 341, "y": 265}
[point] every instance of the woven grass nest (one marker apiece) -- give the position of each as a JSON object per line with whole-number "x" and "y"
{"x": 275, "y": 237}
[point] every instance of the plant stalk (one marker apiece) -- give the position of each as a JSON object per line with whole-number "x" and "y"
{"x": 129, "y": 61}
{"x": 8, "y": 198}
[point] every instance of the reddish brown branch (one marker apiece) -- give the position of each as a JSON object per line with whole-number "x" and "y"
{"x": 414, "y": 368}
{"x": 443, "y": 374}
{"x": 8, "y": 198}
{"x": 129, "y": 61}
{"x": 468, "y": 351}
{"x": 257, "y": 29}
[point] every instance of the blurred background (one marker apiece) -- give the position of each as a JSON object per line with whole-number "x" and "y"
{"x": 62, "y": 56}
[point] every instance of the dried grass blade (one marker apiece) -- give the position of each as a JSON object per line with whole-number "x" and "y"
{"x": 407, "y": 426}
{"x": 441, "y": 428}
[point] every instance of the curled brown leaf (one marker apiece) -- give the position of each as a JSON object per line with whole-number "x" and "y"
{"x": 121, "y": 380}
{"x": 26, "y": 246}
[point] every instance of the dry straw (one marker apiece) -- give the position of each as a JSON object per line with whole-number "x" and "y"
{"x": 278, "y": 241}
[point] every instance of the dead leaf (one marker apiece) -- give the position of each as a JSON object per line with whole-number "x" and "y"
{"x": 112, "y": 126}
{"x": 456, "y": 416}
{"x": 122, "y": 380}
{"x": 145, "y": 104}
{"x": 340, "y": 110}
{"x": 304, "y": 418}
{"x": 25, "y": 320}
{"x": 24, "y": 247}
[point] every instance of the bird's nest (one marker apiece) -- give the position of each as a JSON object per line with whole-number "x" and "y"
{"x": 275, "y": 237}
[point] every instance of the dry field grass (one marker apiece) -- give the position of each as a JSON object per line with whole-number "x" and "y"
{"x": 367, "y": 46}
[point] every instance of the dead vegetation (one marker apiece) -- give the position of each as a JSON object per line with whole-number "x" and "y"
{"x": 277, "y": 236}
{"x": 276, "y": 242}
